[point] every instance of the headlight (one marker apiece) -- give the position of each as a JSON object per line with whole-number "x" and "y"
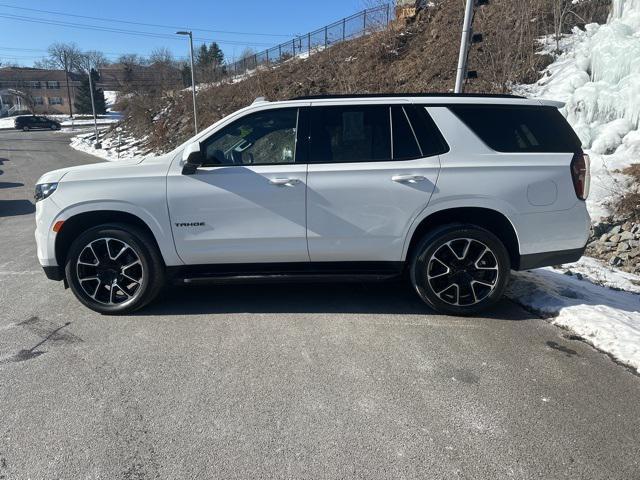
{"x": 43, "y": 190}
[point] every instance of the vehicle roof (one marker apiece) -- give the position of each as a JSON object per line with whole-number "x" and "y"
{"x": 422, "y": 98}
{"x": 405, "y": 95}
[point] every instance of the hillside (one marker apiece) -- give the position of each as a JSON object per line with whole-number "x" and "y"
{"x": 420, "y": 56}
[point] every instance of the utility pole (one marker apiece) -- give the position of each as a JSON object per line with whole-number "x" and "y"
{"x": 66, "y": 76}
{"x": 97, "y": 145}
{"x": 193, "y": 79}
{"x": 464, "y": 46}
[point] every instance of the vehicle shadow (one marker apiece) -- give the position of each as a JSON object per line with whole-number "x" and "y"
{"x": 12, "y": 208}
{"x": 392, "y": 298}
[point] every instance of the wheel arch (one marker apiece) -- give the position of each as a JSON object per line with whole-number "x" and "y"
{"x": 490, "y": 219}
{"x": 80, "y": 222}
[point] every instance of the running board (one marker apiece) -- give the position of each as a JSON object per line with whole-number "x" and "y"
{"x": 283, "y": 278}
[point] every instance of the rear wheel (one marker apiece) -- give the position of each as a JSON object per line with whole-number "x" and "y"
{"x": 25, "y": 129}
{"x": 114, "y": 269}
{"x": 460, "y": 269}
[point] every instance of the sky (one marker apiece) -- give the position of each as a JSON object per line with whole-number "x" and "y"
{"x": 235, "y": 25}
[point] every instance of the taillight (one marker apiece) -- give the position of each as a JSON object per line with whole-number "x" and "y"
{"x": 581, "y": 174}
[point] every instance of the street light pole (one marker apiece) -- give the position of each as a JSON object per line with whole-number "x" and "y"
{"x": 193, "y": 79}
{"x": 464, "y": 47}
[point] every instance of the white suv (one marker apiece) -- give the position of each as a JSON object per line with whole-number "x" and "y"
{"x": 453, "y": 190}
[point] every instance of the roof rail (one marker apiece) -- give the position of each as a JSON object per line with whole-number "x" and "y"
{"x": 259, "y": 100}
{"x": 388, "y": 95}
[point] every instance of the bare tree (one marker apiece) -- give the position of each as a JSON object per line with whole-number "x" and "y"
{"x": 162, "y": 56}
{"x": 93, "y": 59}
{"x": 65, "y": 56}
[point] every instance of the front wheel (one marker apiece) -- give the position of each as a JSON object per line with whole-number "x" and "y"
{"x": 114, "y": 269}
{"x": 460, "y": 269}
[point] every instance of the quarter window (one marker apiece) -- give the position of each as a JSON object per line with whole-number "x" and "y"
{"x": 263, "y": 138}
{"x": 507, "y": 128}
{"x": 405, "y": 146}
{"x": 359, "y": 133}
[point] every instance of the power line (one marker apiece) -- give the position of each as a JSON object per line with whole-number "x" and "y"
{"x": 98, "y": 28}
{"x": 173, "y": 27}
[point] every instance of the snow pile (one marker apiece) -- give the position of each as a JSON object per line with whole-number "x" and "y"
{"x": 606, "y": 318}
{"x": 115, "y": 146}
{"x": 110, "y": 99}
{"x": 598, "y": 77}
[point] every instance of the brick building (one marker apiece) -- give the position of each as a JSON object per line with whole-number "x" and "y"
{"x": 46, "y": 90}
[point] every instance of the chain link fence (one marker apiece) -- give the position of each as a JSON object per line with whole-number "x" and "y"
{"x": 357, "y": 25}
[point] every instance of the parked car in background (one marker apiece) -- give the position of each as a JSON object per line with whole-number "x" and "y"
{"x": 453, "y": 190}
{"x": 34, "y": 122}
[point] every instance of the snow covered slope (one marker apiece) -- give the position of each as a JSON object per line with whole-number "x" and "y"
{"x": 598, "y": 77}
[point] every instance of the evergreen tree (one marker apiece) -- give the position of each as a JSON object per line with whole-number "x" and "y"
{"x": 185, "y": 71}
{"x": 83, "y": 96}
{"x": 211, "y": 56}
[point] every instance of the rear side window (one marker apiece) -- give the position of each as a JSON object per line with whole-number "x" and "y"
{"x": 431, "y": 140}
{"x": 507, "y": 128}
{"x": 358, "y": 133}
{"x": 405, "y": 145}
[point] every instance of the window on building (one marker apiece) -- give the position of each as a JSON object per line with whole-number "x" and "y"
{"x": 53, "y": 85}
{"x": 55, "y": 101}
{"x": 38, "y": 100}
{"x": 34, "y": 85}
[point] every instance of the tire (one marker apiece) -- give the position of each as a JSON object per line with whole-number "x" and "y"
{"x": 460, "y": 269}
{"x": 25, "y": 129}
{"x": 128, "y": 276}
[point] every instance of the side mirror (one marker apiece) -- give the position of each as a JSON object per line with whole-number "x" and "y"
{"x": 193, "y": 158}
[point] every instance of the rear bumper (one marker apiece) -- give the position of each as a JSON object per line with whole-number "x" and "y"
{"x": 547, "y": 259}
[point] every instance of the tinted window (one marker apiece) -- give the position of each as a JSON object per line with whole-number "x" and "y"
{"x": 267, "y": 137}
{"x": 350, "y": 134}
{"x": 431, "y": 140}
{"x": 405, "y": 146}
{"x": 519, "y": 128}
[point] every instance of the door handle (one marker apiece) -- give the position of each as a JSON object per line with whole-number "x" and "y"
{"x": 408, "y": 178}
{"x": 283, "y": 182}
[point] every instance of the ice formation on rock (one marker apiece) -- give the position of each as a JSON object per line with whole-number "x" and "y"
{"x": 597, "y": 75}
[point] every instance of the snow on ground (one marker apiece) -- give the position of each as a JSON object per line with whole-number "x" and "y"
{"x": 606, "y": 318}
{"x": 110, "y": 98}
{"x": 83, "y": 120}
{"x": 115, "y": 147}
{"x": 597, "y": 75}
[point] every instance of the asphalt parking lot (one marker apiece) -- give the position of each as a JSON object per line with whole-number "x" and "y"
{"x": 287, "y": 381}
